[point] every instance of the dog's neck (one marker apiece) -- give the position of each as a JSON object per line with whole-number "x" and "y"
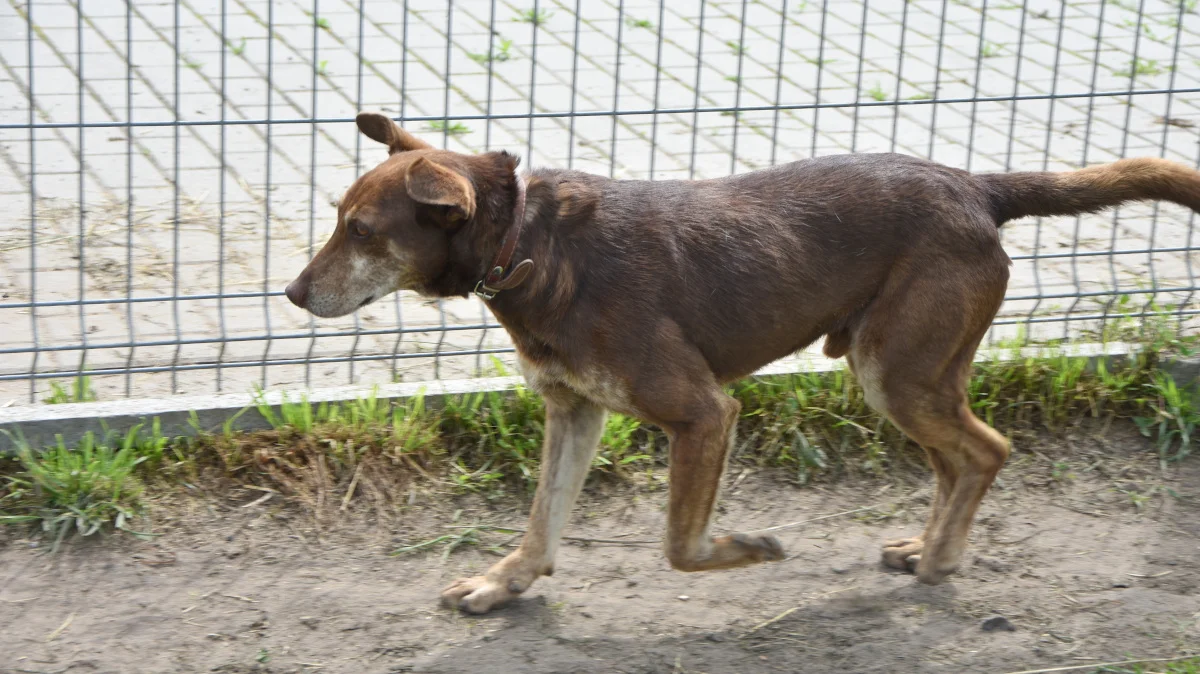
{"x": 480, "y": 246}
{"x": 503, "y": 275}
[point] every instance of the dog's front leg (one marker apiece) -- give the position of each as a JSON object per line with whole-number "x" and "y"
{"x": 573, "y": 429}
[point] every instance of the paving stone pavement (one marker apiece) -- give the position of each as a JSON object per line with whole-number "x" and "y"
{"x": 203, "y": 222}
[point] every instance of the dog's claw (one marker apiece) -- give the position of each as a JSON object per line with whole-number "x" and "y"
{"x": 903, "y": 553}
{"x": 765, "y": 548}
{"x": 479, "y": 594}
{"x": 475, "y": 595}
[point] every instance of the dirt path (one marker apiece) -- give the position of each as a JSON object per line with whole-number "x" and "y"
{"x": 1080, "y": 572}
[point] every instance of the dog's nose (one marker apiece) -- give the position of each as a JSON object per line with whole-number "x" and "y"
{"x": 297, "y": 292}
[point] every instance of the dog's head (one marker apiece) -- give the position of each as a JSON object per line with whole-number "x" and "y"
{"x": 397, "y": 223}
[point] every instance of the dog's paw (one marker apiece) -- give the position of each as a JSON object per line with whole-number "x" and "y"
{"x": 480, "y": 594}
{"x": 931, "y": 574}
{"x": 904, "y": 553}
{"x": 759, "y": 547}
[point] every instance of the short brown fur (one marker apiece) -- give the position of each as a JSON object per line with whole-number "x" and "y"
{"x": 647, "y": 297}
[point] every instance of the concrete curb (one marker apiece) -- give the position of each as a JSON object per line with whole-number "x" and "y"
{"x": 40, "y": 424}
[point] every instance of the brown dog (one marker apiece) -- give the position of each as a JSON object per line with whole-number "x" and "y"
{"x": 645, "y": 297}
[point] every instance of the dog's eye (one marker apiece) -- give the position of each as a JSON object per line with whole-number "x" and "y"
{"x": 360, "y": 230}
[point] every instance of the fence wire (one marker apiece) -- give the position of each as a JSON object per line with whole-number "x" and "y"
{"x": 167, "y": 167}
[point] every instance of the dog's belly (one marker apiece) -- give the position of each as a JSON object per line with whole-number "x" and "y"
{"x": 594, "y": 384}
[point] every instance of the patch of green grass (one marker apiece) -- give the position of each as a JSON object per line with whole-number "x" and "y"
{"x": 737, "y": 47}
{"x": 625, "y": 444}
{"x": 1150, "y": 34}
{"x": 451, "y": 128}
{"x": 84, "y": 489}
{"x": 1141, "y": 67}
{"x": 920, "y": 97}
{"x": 323, "y": 67}
{"x": 877, "y": 93}
{"x": 638, "y": 23}
{"x": 495, "y": 434}
{"x": 1061, "y": 472}
{"x": 239, "y": 48}
{"x": 190, "y": 62}
{"x": 1172, "y": 419}
{"x": 77, "y": 391}
{"x": 814, "y": 426}
{"x": 1184, "y": 665}
{"x": 323, "y": 23}
{"x": 501, "y": 52}
{"x": 990, "y": 49}
{"x": 536, "y": 17}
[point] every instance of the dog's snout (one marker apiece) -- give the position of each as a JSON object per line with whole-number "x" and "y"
{"x": 297, "y": 292}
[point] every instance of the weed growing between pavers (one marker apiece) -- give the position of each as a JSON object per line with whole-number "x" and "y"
{"x": 78, "y": 390}
{"x": 811, "y": 427}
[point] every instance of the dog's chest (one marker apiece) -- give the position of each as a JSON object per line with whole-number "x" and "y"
{"x": 598, "y": 386}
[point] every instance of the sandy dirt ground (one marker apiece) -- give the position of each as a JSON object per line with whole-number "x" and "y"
{"x": 1085, "y": 548}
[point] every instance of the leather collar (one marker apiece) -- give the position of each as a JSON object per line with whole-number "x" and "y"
{"x": 499, "y": 277}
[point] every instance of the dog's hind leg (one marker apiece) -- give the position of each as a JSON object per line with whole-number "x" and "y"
{"x": 573, "y": 429}
{"x": 913, "y": 359}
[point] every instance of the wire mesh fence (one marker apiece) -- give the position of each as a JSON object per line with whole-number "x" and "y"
{"x": 166, "y": 167}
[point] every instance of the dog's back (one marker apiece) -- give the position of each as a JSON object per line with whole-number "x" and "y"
{"x": 759, "y": 265}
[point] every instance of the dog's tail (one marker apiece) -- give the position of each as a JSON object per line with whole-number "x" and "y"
{"x": 1016, "y": 195}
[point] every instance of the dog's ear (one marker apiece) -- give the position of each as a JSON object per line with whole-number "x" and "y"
{"x": 380, "y": 128}
{"x": 434, "y": 184}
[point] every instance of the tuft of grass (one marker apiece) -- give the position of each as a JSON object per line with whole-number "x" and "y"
{"x": 626, "y": 444}
{"x": 322, "y": 23}
{"x": 536, "y": 18}
{"x": 323, "y": 67}
{"x": 84, "y": 489}
{"x": 1172, "y": 419}
{"x": 501, "y": 52}
{"x": 1150, "y": 34}
{"x": 492, "y": 436}
{"x": 190, "y": 62}
{"x": 451, "y": 128}
{"x": 737, "y": 47}
{"x": 239, "y": 48}
{"x": 1183, "y": 665}
{"x": 78, "y": 391}
{"x": 876, "y": 92}
{"x": 1141, "y": 67}
{"x": 469, "y": 536}
{"x": 639, "y": 23}
{"x": 990, "y": 49}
